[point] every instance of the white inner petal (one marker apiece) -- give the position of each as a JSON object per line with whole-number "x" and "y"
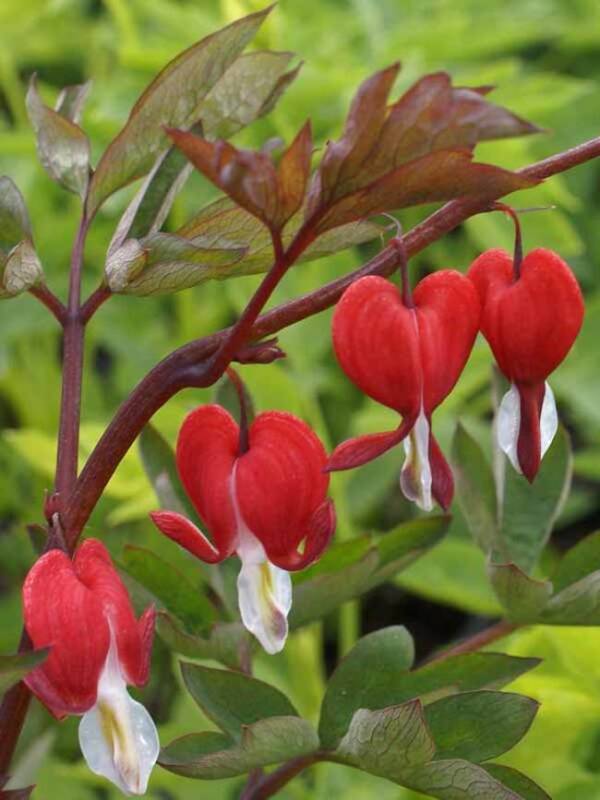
{"x": 264, "y": 590}
{"x": 548, "y": 419}
{"x": 415, "y": 478}
{"x": 508, "y": 424}
{"x": 117, "y": 736}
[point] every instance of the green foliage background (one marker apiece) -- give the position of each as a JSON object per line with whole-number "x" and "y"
{"x": 544, "y": 55}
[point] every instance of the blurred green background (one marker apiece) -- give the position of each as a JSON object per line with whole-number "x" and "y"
{"x": 544, "y": 56}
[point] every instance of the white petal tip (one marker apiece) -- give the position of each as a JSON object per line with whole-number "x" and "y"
{"x": 415, "y": 478}
{"x": 548, "y": 419}
{"x": 265, "y": 599}
{"x": 508, "y": 423}
{"x": 117, "y": 736}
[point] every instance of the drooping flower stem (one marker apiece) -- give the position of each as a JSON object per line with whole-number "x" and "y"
{"x": 237, "y": 384}
{"x": 518, "y": 247}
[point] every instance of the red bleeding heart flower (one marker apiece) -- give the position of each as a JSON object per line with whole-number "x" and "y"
{"x": 406, "y": 353}
{"x": 531, "y": 316}
{"x": 262, "y": 504}
{"x": 81, "y": 610}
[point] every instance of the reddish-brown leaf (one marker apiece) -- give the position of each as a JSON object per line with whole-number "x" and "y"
{"x": 292, "y": 174}
{"x": 435, "y": 177}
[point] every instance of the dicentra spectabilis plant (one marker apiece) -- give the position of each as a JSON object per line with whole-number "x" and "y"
{"x": 252, "y": 498}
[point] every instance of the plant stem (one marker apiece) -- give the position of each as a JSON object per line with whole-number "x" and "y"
{"x": 477, "y": 641}
{"x": 277, "y": 779}
{"x": 93, "y": 303}
{"x": 51, "y": 301}
{"x": 70, "y": 406}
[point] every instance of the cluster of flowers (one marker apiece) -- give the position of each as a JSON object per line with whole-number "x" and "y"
{"x": 263, "y": 495}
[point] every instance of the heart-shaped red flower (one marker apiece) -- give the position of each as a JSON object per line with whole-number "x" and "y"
{"x": 82, "y": 611}
{"x": 407, "y": 357}
{"x": 530, "y": 321}
{"x": 267, "y": 504}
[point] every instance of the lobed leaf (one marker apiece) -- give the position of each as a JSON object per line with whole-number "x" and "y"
{"x": 158, "y": 461}
{"x": 225, "y": 642}
{"x": 365, "y": 679}
{"x": 478, "y": 726}
{"x": 170, "y": 587}
{"x": 455, "y": 779}
{"x": 522, "y": 597}
{"x": 515, "y": 780}
{"x": 174, "y": 98}
{"x": 71, "y": 100}
{"x": 14, "y": 218}
{"x": 475, "y": 488}
{"x": 213, "y": 755}
{"x": 579, "y": 562}
{"x": 63, "y": 148}
{"x": 233, "y": 700}
{"x": 530, "y": 510}
{"x": 388, "y": 741}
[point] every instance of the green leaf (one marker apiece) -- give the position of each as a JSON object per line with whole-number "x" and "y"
{"x": 315, "y": 598}
{"x": 529, "y": 511}
{"x": 578, "y": 604}
{"x": 174, "y": 98}
{"x": 223, "y": 222}
{"x": 456, "y": 779}
{"x": 475, "y": 488}
{"x": 233, "y": 700}
{"x": 523, "y": 597}
{"x": 478, "y": 726}
{"x": 14, "y": 218}
{"x": 212, "y": 755}
{"x": 463, "y": 673}
{"x": 63, "y": 148}
{"x": 13, "y": 668}
{"x": 170, "y": 587}
{"x": 365, "y": 679}
{"x": 228, "y": 643}
{"x": 349, "y": 569}
{"x": 387, "y": 741}
{"x": 248, "y": 90}
{"x": 158, "y": 460}
{"x": 515, "y": 780}
{"x": 580, "y": 561}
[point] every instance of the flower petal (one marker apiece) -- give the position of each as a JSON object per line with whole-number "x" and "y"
{"x": 264, "y": 595}
{"x": 526, "y": 425}
{"x": 117, "y": 736}
{"x": 186, "y": 534}
{"x": 416, "y": 477}
{"x": 362, "y": 449}
{"x": 548, "y": 419}
{"x": 320, "y": 531}
{"x": 508, "y": 422}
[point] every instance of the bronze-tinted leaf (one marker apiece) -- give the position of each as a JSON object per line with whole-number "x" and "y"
{"x": 438, "y": 176}
{"x": 71, "y": 100}
{"x": 174, "y": 98}
{"x": 63, "y": 148}
{"x": 249, "y": 177}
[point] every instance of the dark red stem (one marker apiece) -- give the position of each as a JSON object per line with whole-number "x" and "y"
{"x": 70, "y": 406}
{"x": 51, "y": 301}
{"x": 518, "y": 247}
{"x": 236, "y": 381}
{"x": 276, "y": 780}
{"x": 93, "y": 303}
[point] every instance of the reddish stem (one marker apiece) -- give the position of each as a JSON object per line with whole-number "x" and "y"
{"x": 244, "y": 443}
{"x": 475, "y": 643}
{"x": 93, "y": 303}
{"x": 518, "y": 248}
{"x": 70, "y": 406}
{"x": 51, "y": 301}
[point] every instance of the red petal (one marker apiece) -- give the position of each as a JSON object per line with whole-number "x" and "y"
{"x": 529, "y": 446}
{"x": 207, "y": 447}
{"x": 186, "y": 534}
{"x": 530, "y": 323}
{"x": 62, "y": 612}
{"x": 280, "y": 481}
{"x": 442, "y": 481}
{"x": 321, "y": 528}
{"x": 362, "y": 449}
{"x": 95, "y": 570}
{"x": 376, "y": 342}
{"x": 448, "y": 313}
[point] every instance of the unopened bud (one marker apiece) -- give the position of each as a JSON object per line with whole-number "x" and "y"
{"x": 124, "y": 265}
